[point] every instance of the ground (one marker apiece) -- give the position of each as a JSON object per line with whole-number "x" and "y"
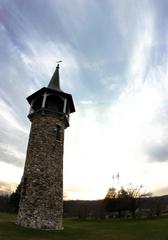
{"x": 148, "y": 229}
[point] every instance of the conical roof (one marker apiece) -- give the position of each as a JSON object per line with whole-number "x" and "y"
{"x": 55, "y": 82}
{"x": 54, "y": 88}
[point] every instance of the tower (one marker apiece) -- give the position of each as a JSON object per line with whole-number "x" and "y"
{"x": 41, "y": 202}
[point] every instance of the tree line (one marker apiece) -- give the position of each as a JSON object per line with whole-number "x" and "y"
{"x": 125, "y": 202}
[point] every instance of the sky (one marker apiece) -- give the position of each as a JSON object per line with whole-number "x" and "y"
{"x": 115, "y": 65}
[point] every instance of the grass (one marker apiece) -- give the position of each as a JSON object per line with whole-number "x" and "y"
{"x": 151, "y": 229}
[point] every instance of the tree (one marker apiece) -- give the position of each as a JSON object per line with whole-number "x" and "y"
{"x": 15, "y": 198}
{"x": 5, "y": 202}
{"x": 111, "y": 193}
{"x": 125, "y": 199}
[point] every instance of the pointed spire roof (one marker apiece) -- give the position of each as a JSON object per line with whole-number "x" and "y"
{"x": 54, "y": 88}
{"x": 55, "y": 82}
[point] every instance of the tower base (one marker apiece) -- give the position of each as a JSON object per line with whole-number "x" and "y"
{"x": 40, "y": 224}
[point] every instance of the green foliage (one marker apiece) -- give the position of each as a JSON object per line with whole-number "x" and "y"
{"x": 150, "y": 229}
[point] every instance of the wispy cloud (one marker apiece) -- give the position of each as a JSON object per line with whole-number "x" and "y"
{"x": 142, "y": 46}
{"x": 7, "y": 113}
{"x": 10, "y": 154}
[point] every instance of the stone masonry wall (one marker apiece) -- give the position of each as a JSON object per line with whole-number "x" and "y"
{"x": 41, "y": 204}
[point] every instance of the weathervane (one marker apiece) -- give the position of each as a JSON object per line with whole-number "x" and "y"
{"x": 58, "y": 63}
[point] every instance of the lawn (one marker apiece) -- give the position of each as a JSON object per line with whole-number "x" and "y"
{"x": 150, "y": 229}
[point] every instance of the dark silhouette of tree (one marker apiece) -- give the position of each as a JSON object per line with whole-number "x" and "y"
{"x": 5, "y": 202}
{"x": 15, "y": 198}
{"x": 124, "y": 199}
{"x": 112, "y": 193}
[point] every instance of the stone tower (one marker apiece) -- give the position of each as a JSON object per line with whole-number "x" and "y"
{"x": 41, "y": 203}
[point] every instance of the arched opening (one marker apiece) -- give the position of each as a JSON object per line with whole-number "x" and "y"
{"x": 37, "y": 103}
{"x": 54, "y": 103}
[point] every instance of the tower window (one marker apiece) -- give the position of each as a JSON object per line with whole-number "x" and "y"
{"x": 57, "y": 131}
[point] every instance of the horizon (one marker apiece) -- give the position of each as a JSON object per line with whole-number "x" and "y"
{"x": 114, "y": 63}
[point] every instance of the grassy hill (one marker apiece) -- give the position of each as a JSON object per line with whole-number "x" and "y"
{"x": 149, "y": 229}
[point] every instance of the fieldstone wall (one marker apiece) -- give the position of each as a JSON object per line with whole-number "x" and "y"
{"x": 41, "y": 204}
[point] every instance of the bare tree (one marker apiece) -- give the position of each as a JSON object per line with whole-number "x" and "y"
{"x": 125, "y": 199}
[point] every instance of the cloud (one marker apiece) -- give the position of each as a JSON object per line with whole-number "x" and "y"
{"x": 161, "y": 191}
{"x": 11, "y": 133}
{"x": 10, "y": 174}
{"x": 11, "y": 154}
{"x": 9, "y": 116}
{"x": 158, "y": 151}
{"x": 75, "y": 192}
{"x": 141, "y": 50}
{"x": 6, "y": 187}
{"x": 38, "y": 54}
